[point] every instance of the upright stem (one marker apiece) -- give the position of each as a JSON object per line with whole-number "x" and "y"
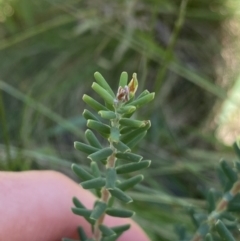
{"x": 105, "y": 194}
{"x": 104, "y": 198}
{"x": 221, "y": 207}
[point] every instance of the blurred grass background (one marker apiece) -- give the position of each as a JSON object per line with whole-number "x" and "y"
{"x": 185, "y": 51}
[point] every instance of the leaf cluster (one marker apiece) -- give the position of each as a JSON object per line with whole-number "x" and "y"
{"x": 113, "y": 123}
{"x": 221, "y": 221}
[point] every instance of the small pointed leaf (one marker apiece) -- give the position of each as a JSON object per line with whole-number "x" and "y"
{"x": 123, "y": 79}
{"x": 119, "y": 194}
{"x": 81, "y": 173}
{"x": 143, "y": 100}
{"x": 132, "y": 143}
{"x": 132, "y": 123}
{"x": 111, "y": 201}
{"x": 121, "y": 229}
{"x": 111, "y": 177}
{"x": 208, "y": 237}
{"x": 129, "y": 109}
{"x": 145, "y": 92}
{"x": 129, "y": 156}
{"x": 121, "y": 213}
{"x": 82, "y": 234}
{"x": 211, "y": 200}
{"x": 228, "y": 171}
{"x": 82, "y": 212}
{"x": 236, "y": 147}
{"x": 114, "y": 135}
{"x": 132, "y": 167}
{"x": 95, "y": 169}
{"x": 77, "y": 203}
{"x": 84, "y": 147}
{"x": 132, "y": 134}
{"x": 93, "y": 103}
{"x": 109, "y": 115}
{"x": 126, "y": 130}
{"x": 120, "y": 146}
{"x": 223, "y": 231}
{"x": 106, "y": 231}
{"x": 94, "y": 183}
{"x": 88, "y": 115}
{"x": 103, "y": 83}
{"x": 103, "y": 93}
{"x": 101, "y": 154}
{"x": 129, "y": 183}
{"x": 98, "y": 126}
{"x": 98, "y": 210}
{"x": 92, "y": 139}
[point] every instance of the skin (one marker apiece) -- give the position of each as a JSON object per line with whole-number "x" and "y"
{"x": 36, "y": 206}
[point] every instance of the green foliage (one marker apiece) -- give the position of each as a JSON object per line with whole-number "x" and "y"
{"x": 221, "y": 221}
{"x": 48, "y": 51}
{"x": 120, "y": 148}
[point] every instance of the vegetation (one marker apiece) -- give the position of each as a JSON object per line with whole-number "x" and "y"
{"x": 179, "y": 49}
{"x": 123, "y": 133}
